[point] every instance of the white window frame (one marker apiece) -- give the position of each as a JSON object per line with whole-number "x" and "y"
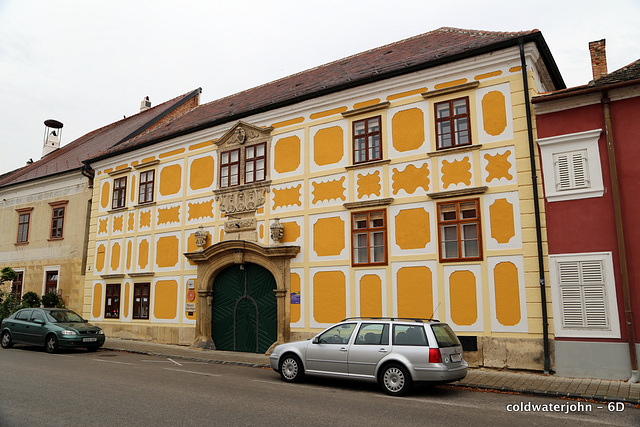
{"x": 583, "y": 177}
{"x": 609, "y": 297}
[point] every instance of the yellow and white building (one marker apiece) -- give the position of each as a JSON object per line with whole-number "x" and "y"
{"x": 395, "y": 182}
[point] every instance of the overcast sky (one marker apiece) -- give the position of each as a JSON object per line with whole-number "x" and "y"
{"x": 89, "y": 63}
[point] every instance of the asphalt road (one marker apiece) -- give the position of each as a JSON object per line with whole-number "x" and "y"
{"x": 109, "y": 388}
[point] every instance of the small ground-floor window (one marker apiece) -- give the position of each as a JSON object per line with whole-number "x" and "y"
{"x": 141, "y": 300}
{"x": 112, "y": 301}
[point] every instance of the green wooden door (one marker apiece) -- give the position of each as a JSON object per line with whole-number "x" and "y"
{"x": 244, "y": 310}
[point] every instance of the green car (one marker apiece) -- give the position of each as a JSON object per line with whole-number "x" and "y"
{"x": 53, "y": 328}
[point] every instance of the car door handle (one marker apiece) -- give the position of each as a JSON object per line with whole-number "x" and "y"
{"x": 382, "y": 350}
{"x": 342, "y": 349}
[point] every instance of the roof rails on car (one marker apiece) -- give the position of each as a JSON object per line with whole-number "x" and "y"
{"x": 412, "y": 319}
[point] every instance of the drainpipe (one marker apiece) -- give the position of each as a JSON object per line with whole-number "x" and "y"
{"x": 615, "y": 192}
{"x": 536, "y": 206}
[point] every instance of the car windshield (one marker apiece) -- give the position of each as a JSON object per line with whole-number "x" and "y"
{"x": 63, "y": 316}
{"x": 445, "y": 336}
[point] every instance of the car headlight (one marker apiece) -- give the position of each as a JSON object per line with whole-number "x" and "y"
{"x": 68, "y": 333}
{"x": 100, "y": 332}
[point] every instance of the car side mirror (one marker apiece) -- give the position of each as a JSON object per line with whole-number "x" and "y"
{"x": 38, "y": 321}
{"x": 316, "y": 340}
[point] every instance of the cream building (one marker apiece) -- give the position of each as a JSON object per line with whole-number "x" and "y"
{"x": 396, "y": 182}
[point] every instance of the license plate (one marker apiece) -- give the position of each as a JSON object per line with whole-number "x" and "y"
{"x": 456, "y": 357}
{"x": 92, "y": 339}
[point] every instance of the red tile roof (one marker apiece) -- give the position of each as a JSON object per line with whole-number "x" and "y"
{"x": 416, "y": 53}
{"x": 70, "y": 157}
{"x": 627, "y": 75}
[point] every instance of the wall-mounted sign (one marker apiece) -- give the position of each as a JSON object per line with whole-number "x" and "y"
{"x": 295, "y": 297}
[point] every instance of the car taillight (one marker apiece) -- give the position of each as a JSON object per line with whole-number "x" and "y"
{"x": 434, "y": 355}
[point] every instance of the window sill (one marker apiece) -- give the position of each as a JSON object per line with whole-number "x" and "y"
{"x": 368, "y": 164}
{"x": 54, "y": 239}
{"x": 368, "y": 203}
{"x": 143, "y": 274}
{"x": 461, "y": 260}
{"x": 116, "y": 210}
{"x": 376, "y": 264}
{"x": 144, "y": 205}
{"x": 112, "y": 276}
{"x": 21, "y": 243}
{"x": 457, "y": 193}
{"x": 454, "y": 150}
{"x": 575, "y": 194}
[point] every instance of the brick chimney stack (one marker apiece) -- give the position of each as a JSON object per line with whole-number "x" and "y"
{"x": 598, "y": 58}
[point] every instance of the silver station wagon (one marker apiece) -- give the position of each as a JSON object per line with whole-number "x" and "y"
{"x": 391, "y": 351}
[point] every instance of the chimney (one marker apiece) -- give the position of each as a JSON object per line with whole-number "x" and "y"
{"x": 52, "y": 135}
{"x": 598, "y": 58}
{"x": 145, "y": 104}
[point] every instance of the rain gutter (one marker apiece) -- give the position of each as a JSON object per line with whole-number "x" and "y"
{"x": 617, "y": 209}
{"x": 536, "y": 206}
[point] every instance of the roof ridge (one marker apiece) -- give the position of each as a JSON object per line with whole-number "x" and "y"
{"x": 368, "y": 51}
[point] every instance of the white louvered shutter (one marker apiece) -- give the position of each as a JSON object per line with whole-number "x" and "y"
{"x": 583, "y": 295}
{"x": 571, "y": 170}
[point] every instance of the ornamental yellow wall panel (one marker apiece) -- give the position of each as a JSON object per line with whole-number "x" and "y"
{"x": 201, "y": 171}
{"x": 165, "y": 297}
{"x": 498, "y": 166}
{"x": 329, "y": 236}
{"x": 415, "y": 290}
{"x": 456, "y": 172}
{"x": 105, "y": 195}
{"x": 494, "y": 106}
{"x": 507, "y": 296}
{"x": 170, "y": 180}
{"x": 463, "y": 296}
{"x": 143, "y": 254}
{"x": 167, "y": 252}
{"x": 329, "y": 190}
{"x": 413, "y": 228}
{"x": 370, "y": 295}
{"x": 368, "y": 184}
{"x": 328, "y": 146}
{"x": 96, "y": 310}
{"x": 287, "y": 197}
{"x": 329, "y": 296}
{"x": 408, "y": 130}
{"x": 409, "y": 178}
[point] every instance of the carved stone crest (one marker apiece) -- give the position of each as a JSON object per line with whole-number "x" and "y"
{"x": 277, "y": 230}
{"x": 241, "y": 135}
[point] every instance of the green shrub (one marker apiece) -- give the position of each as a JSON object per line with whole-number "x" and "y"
{"x": 30, "y": 299}
{"x": 52, "y": 299}
{"x": 8, "y": 306}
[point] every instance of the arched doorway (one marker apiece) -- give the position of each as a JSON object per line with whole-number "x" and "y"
{"x": 244, "y": 312}
{"x": 232, "y": 254}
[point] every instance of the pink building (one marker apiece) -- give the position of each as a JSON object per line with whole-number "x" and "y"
{"x": 589, "y": 140}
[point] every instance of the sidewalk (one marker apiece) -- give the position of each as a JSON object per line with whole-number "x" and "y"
{"x": 478, "y": 378}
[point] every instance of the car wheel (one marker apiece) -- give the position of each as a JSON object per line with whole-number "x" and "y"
{"x": 291, "y": 369}
{"x": 395, "y": 380}
{"x": 5, "y": 340}
{"x": 51, "y": 344}
{"x": 92, "y": 349}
